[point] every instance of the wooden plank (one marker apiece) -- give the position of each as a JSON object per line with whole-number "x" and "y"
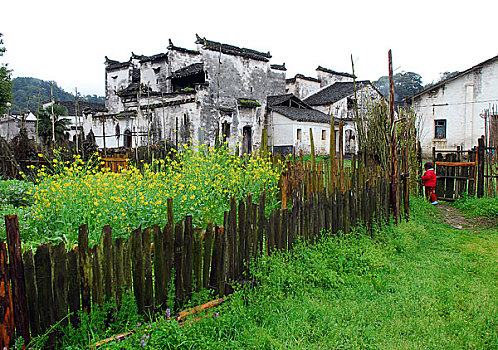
{"x": 19, "y": 302}
{"x": 118, "y": 278}
{"x": 241, "y": 236}
{"x": 284, "y": 228}
{"x": 206, "y": 264}
{"x": 138, "y": 269}
{"x": 222, "y": 262}
{"x": 233, "y": 244}
{"x": 480, "y": 167}
{"x": 248, "y": 229}
{"x": 148, "y": 281}
{"x": 189, "y": 255}
{"x": 254, "y": 233}
{"x": 292, "y": 226}
{"x": 43, "y": 268}
{"x": 29, "y": 278}
{"x": 107, "y": 262}
{"x": 97, "y": 288}
{"x": 60, "y": 288}
{"x": 214, "y": 277}
{"x": 179, "y": 265}
{"x": 127, "y": 266}
{"x": 456, "y": 164}
{"x": 160, "y": 286}
{"x": 198, "y": 258}
{"x": 277, "y": 224}
{"x": 84, "y": 259}
{"x": 169, "y": 249}
{"x": 261, "y": 224}
{"x": 73, "y": 286}
{"x": 7, "y": 328}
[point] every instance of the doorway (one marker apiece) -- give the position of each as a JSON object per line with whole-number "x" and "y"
{"x": 247, "y": 140}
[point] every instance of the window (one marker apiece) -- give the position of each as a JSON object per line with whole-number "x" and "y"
{"x": 440, "y": 129}
{"x": 299, "y": 134}
{"x": 324, "y": 135}
{"x": 225, "y": 131}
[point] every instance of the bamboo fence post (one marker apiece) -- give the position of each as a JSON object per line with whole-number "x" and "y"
{"x": 84, "y": 259}
{"x": 20, "y": 304}
{"x": 7, "y": 328}
{"x": 60, "y": 286}
{"x": 73, "y": 286}
{"x": 148, "y": 281}
{"x": 29, "y": 277}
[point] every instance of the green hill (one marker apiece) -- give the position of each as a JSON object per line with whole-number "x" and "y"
{"x": 26, "y": 90}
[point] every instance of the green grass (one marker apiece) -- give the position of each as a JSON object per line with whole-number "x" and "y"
{"x": 422, "y": 284}
{"x": 482, "y": 207}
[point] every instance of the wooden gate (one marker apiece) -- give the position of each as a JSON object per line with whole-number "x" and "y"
{"x": 456, "y": 173}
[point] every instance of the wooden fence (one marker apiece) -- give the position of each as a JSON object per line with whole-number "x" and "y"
{"x": 54, "y": 281}
{"x": 472, "y": 172}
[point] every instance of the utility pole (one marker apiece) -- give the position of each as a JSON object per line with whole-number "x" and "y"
{"x": 53, "y": 116}
{"x": 37, "y": 119}
{"x": 77, "y": 118}
{"x": 394, "y": 160}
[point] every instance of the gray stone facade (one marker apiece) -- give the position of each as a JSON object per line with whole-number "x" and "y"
{"x": 183, "y": 95}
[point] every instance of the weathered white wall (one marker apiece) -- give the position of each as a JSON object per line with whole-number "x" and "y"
{"x": 303, "y": 88}
{"x": 327, "y": 79}
{"x": 284, "y": 133}
{"x": 460, "y": 102}
{"x": 116, "y": 80}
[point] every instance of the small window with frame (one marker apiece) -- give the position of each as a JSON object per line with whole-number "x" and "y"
{"x": 299, "y": 134}
{"x": 440, "y": 129}
{"x": 324, "y": 135}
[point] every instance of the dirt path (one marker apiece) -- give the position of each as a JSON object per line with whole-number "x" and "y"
{"x": 454, "y": 217}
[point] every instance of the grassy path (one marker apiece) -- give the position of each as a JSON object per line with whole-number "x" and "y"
{"x": 431, "y": 283}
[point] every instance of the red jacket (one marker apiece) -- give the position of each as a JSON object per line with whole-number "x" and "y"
{"x": 429, "y": 178}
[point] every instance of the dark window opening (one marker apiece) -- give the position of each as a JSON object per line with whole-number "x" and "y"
{"x": 225, "y": 131}
{"x": 247, "y": 140}
{"x": 187, "y": 83}
{"x": 127, "y": 138}
{"x": 440, "y": 129}
{"x": 299, "y": 134}
{"x": 324, "y": 135}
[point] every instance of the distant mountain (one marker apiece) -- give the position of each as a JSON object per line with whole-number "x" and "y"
{"x": 26, "y": 90}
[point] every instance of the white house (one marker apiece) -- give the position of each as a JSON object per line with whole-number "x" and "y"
{"x": 290, "y": 121}
{"x": 452, "y": 111}
{"x": 338, "y": 99}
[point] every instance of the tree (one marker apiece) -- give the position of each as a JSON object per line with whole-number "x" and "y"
{"x": 406, "y": 84}
{"x": 5, "y": 82}
{"x": 45, "y": 123}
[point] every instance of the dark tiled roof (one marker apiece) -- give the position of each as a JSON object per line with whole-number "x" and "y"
{"x": 181, "y": 49}
{"x": 278, "y": 99}
{"x": 326, "y": 70}
{"x": 303, "y": 114}
{"x": 335, "y": 92}
{"x": 300, "y": 76}
{"x": 159, "y": 56}
{"x": 432, "y": 87}
{"x": 133, "y": 90}
{"x": 112, "y": 64}
{"x": 189, "y": 70}
{"x": 278, "y": 66}
{"x": 82, "y": 106}
{"x": 233, "y": 50}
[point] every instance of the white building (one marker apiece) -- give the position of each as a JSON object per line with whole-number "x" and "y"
{"x": 290, "y": 123}
{"x": 338, "y": 99}
{"x": 451, "y": 111}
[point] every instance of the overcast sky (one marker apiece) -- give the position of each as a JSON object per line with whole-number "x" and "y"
{"x": 65, "y": 42}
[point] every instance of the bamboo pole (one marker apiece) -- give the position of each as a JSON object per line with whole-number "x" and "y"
{"x": 394, "y": 161}
{"x": 53, "y": 116}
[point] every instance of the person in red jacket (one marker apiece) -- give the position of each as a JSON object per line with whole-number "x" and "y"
{"x": 430, "y": 180}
